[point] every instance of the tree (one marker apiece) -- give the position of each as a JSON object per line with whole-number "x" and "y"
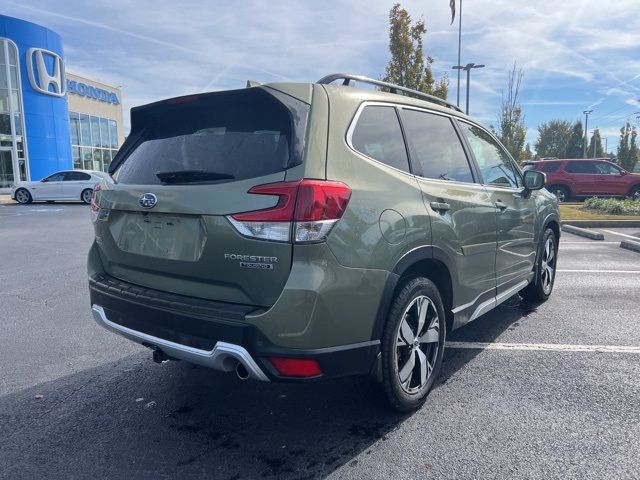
{"x": 574, "y": 146}
{"x": 553, "y": 138}
{"x": 527, "y": 153}
{"x": 511, "y": 130}
{"x": 407, "y": 66}
{"x": 627, "y": 147}
{"x": 595, "y": 138}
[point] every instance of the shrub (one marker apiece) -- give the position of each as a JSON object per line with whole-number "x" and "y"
{"x": 613, "y": 206}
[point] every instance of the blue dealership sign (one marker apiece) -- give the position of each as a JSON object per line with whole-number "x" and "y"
{"x": 84, "y": 90}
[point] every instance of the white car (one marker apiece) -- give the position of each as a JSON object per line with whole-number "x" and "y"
{"x": 68, "y": 185}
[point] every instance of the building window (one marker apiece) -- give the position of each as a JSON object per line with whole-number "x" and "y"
{"x": 13, "y": 166}
{"x": 94, "y": 141}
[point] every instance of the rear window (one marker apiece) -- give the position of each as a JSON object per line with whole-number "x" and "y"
{"x": 76, "y": 176}
{"x": 436, "y": 146}
{"x": 235, "y": 135}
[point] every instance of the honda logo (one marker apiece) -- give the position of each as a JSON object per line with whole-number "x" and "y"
{"x": 46, "y": 72}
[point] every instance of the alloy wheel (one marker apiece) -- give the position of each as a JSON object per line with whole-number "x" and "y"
{"x": 559, "y": 193}
{"x": 417, "y": 343}
{"x": 548, "y": 265}
{"x": 22, "y": 196}
{"x": 86, "y": 196}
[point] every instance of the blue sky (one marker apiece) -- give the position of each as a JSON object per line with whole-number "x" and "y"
{"x": 576, "y": 54}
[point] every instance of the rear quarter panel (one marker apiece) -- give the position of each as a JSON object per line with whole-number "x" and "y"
{"x": 386, "y": 216}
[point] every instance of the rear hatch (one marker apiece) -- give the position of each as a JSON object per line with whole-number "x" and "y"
{"x": 187, "y": 165}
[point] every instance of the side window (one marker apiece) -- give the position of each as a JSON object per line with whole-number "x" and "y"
{"x": 56, "y": 177}
{"x": 582, "y": 167}
{"x": 607, "y": 169}
{"x": 549, "y": 167}
{"x": 378, "y": 135}
{"x": 495, "y": 165}
{"x": 76, "y": 176}
{"x": 436, "y": 147}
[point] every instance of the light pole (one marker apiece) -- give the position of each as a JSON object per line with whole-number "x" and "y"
{"x": 467, "y": 68}
{"x": 606, "y": 147}
{"x": 595, "y": 145}
{"x": 586, "y": 138}
{"x": 459, "y": 48}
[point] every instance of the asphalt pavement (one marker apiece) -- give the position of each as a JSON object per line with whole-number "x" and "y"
{"x": 527, "y": 391}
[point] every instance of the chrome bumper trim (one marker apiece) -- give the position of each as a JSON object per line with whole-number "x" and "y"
{"x": 223, "y": 357}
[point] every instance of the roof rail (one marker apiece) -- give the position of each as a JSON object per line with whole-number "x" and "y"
{"x": 397, "y": 89}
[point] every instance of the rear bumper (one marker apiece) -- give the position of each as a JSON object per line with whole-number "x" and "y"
{"x": 211, "y": 334}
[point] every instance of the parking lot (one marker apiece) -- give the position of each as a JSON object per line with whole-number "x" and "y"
{"x": 548, "y": 391}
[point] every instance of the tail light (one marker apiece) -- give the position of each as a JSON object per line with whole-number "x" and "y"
{"x": 310, "y": 207}
{"x": 296, "y": 367}
{"x": 94, "y": 206}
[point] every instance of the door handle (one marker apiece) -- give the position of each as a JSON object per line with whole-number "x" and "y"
{"x": 501, "y": 205}
{"x": 440, "y": 206}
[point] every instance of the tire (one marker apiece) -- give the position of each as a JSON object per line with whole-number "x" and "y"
{"x": 23, "y": 196}
{"x": 539, "y": 290}
{"x": 409, "y": 366}
{"x": 634, "y": 193}
{"x": 562, "y": 193}
{"x": 86, "y": 195}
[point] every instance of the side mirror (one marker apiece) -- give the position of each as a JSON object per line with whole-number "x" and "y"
{"x": 43, "y": 180}
{"x": 534, "y": 180}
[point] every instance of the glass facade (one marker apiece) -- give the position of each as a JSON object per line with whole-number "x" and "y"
{"x": 94, "y": 141}
{"x": 13, "y": 166}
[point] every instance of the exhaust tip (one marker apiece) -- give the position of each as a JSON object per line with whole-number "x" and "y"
{"x": 241, "y": 371}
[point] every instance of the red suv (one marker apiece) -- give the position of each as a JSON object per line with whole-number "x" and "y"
{"x": 568, "y": 178}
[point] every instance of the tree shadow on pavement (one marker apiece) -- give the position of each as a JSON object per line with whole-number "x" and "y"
{"x": 135, "y": 419}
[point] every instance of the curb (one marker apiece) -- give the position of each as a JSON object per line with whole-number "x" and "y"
{"x": 583, "y": 232}
{"x": 4, "y": 199}
{"x": 630, "y": 245}
{"x": 603, "y": 223}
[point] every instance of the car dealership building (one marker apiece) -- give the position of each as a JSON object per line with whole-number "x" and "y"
{"x": 50, "y": 119}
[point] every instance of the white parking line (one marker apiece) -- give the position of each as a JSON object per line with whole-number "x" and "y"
{"x": 637, "y": 272}
{"x": 544, "y": 347}
{"x": 637, "y": 239}
{"x": 588, "y": 242}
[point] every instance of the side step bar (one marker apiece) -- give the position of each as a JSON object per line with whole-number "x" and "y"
{"x": 224, "y": 357}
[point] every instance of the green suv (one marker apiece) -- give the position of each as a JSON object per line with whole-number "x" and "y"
{"x": 307, "y": 231}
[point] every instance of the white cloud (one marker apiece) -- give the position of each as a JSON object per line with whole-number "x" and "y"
{"x": 575, "y": 53}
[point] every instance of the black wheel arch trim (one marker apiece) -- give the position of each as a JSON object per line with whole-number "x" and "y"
{"x": 402, "y": 265}
{"x": 551, "y": 217}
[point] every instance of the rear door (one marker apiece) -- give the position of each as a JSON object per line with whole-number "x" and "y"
{"x": 516, "y": 213}
{"x": 187, "y": 165}
{"x": 73, "y": 184}
{"x": 463, "y": 217}
{"x": 583, "y": 177}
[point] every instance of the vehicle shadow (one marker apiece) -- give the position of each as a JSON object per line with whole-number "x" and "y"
{"x": 135, "y": 419}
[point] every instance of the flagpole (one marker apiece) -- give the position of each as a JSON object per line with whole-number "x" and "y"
{"x": 459, "y": 45}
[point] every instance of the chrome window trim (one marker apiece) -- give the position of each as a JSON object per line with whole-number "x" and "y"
{"x": 352, "y": 127}
{"x": 395, "y": 105}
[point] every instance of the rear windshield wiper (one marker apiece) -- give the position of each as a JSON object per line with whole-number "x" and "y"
{"x": 191, "y": 176}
